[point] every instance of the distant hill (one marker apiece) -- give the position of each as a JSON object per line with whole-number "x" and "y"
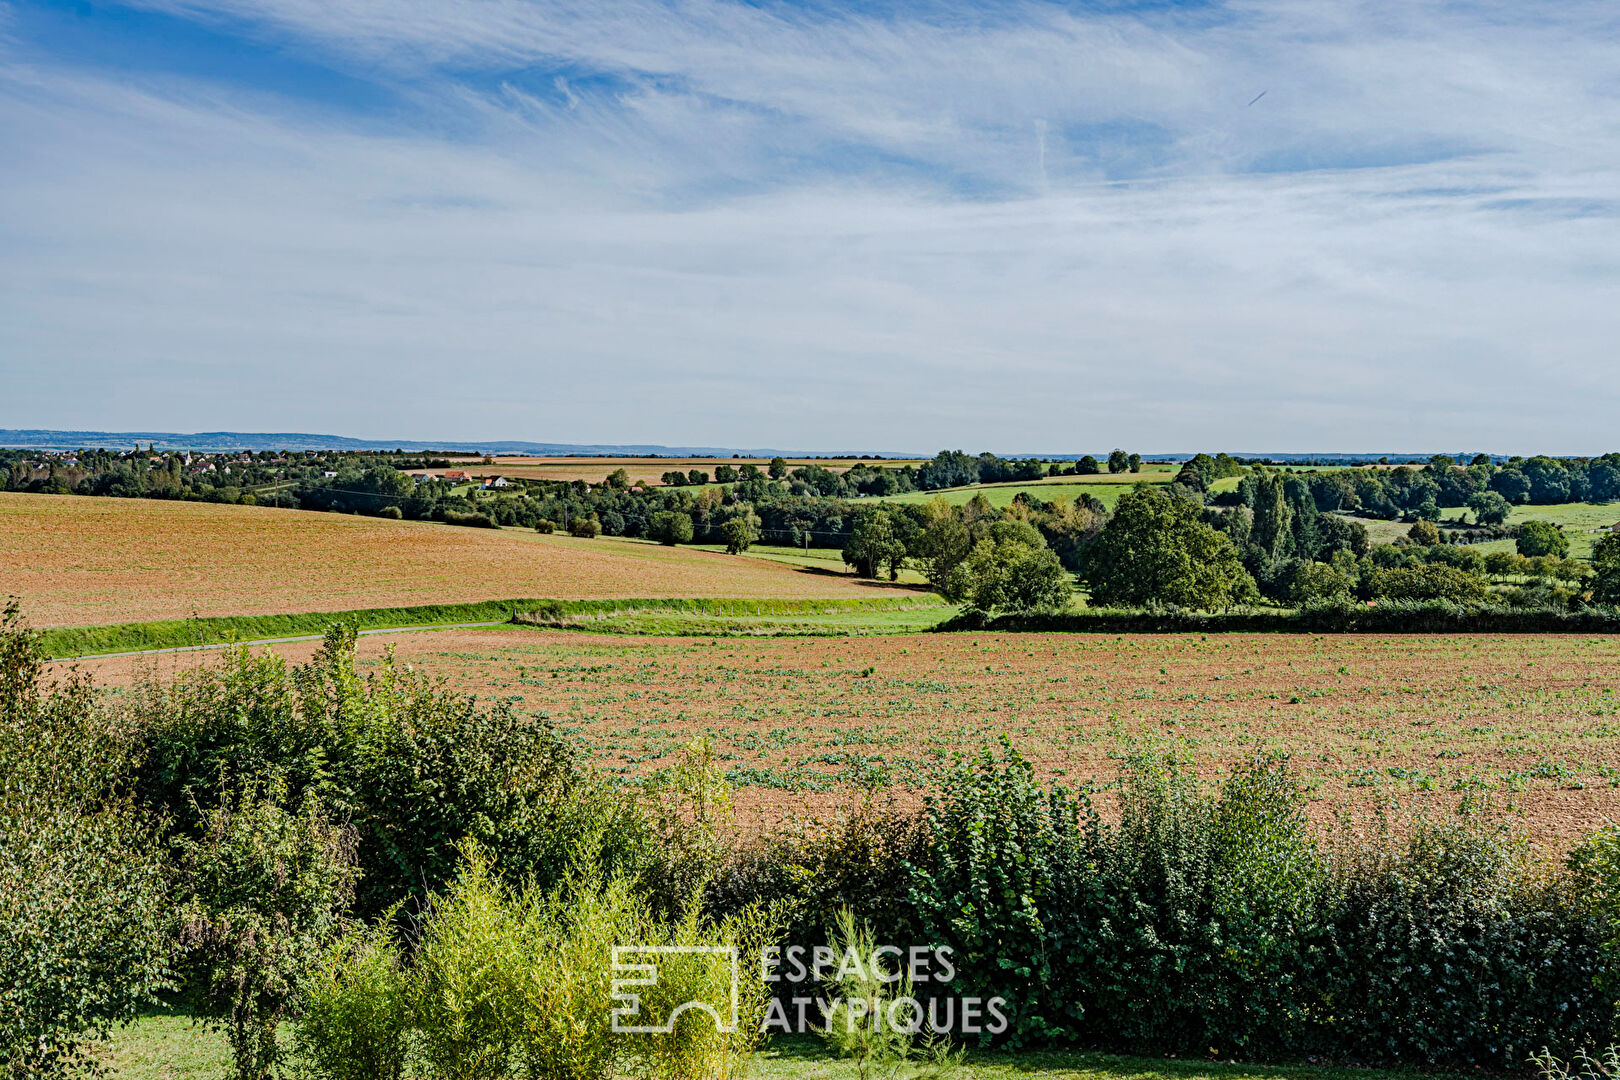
{"x": 28, "y": 438}
{"x": 203, "y": 441}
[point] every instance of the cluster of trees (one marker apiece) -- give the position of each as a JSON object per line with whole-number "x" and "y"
{"x": 1486, "y": 489}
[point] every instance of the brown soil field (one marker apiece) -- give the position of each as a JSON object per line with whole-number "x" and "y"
{"x": 80, "y": 561}
{"x": 650, "y": 469}
{"x": 803, "y": 724}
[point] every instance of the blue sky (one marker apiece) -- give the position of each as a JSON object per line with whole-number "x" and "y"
{"x": 1020, "y": 226}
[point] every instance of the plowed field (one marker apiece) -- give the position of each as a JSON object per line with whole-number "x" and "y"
{"x": 804, "y": 724}
{"x": 78, "y": 561}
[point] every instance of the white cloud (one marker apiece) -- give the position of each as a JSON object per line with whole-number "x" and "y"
{"x": 795, "y": 229}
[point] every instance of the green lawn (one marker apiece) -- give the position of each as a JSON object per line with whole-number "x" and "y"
{"x": 171, "y": 1048}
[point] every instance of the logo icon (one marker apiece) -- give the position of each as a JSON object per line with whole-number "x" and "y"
{"x": 634, "y": 981}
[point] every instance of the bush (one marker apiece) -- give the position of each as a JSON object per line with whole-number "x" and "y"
{"x": 1541, "y": 538}
{"x": 473, "y": 519}
{"x": 356, "y": 1009}
{"x": 670, "y": 527}
{"x": 84, "y": 892}
{"x": 392, "y": 513}
{"x": 414, "y": 766}
{"x": 544, "y": 525}
{"x": 1218, "y": 920}
{"x": 585, "y": 526}
{"x": 263, "y": 894}
{"x": 1429, "y": 582}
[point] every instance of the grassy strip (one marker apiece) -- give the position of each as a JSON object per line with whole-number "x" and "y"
{"x": 172, "y": 1047}
{"x": 1384, "y": 618}
{"x": 69, "y": 641}
{"x": 178, "y": 633}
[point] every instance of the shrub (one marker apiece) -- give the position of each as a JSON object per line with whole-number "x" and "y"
{"x": 544, "y": 525}
{"x": 263, "y": 893}
{"x": 84, "y": 892}
{"x": 586, "y": 526}
{"x": 518, "y": 981}
{"x": 415, "y": 767}
{"x": 1541, "y": 538}
{"x": 472, "y": 519}
{"x": 1429, "y": 582}
{"x": 670, "y": 527}
{"x": 1504, "y": 563}
{"x": 393, "y": 513}
{"x": 356, "y": 1009}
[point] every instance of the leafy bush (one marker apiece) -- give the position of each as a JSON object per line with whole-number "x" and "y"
{"x": 586, "y": 526}
{"x": 415, "y": 767}
{"x": 356, "y": 1008}
{"x": 84, "y": 916}
{"x": 264, "y": 891}
{"x": 1218, "y": 920}
{"x": 472, "y": 519}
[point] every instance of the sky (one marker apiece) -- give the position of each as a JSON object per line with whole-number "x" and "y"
{"x": 1254, "y": 225}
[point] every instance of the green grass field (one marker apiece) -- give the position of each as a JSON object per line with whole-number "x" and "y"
{"x": 173, "y": 1048}
{"x": 1583, "y": 523}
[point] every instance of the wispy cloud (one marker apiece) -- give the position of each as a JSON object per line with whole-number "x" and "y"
{"x": 1021, "y": 226}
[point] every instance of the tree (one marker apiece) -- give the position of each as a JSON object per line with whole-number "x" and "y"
{"x": 1606, "y": 562}
{"x": 1425, "y": 533}
{"x": 1010, "y": 575}
{"x": 670, "y": 527}
{"x": 1489, "y": 508}
{"x": 618, "y": 480}
{"x": 697, "y": 477}
{"x": 1135, "y": 462}
{"x": 740, "y": 533}
{"x": 585, "y": 526}
{"x": 1541, "y": 538}
{"x": 725, "y": 474}
{"x": 777, "y": 468}
{"x": 1118, "y": 462}
{"x": 875, "y": 543}
{"x": 1087, "y": 466}
{"x": 1157, "y": 549}
{"x": 942, "y": 543}
{"x": 1320, "y": 581}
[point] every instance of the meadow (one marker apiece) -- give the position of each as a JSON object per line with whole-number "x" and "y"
{"x": 1105, "y": 487}
{"x": 131, "y": 560}
{"x": 804, "y": 725}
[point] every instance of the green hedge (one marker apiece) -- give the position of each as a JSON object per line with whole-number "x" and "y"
{"x": 1386, "y": 617}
